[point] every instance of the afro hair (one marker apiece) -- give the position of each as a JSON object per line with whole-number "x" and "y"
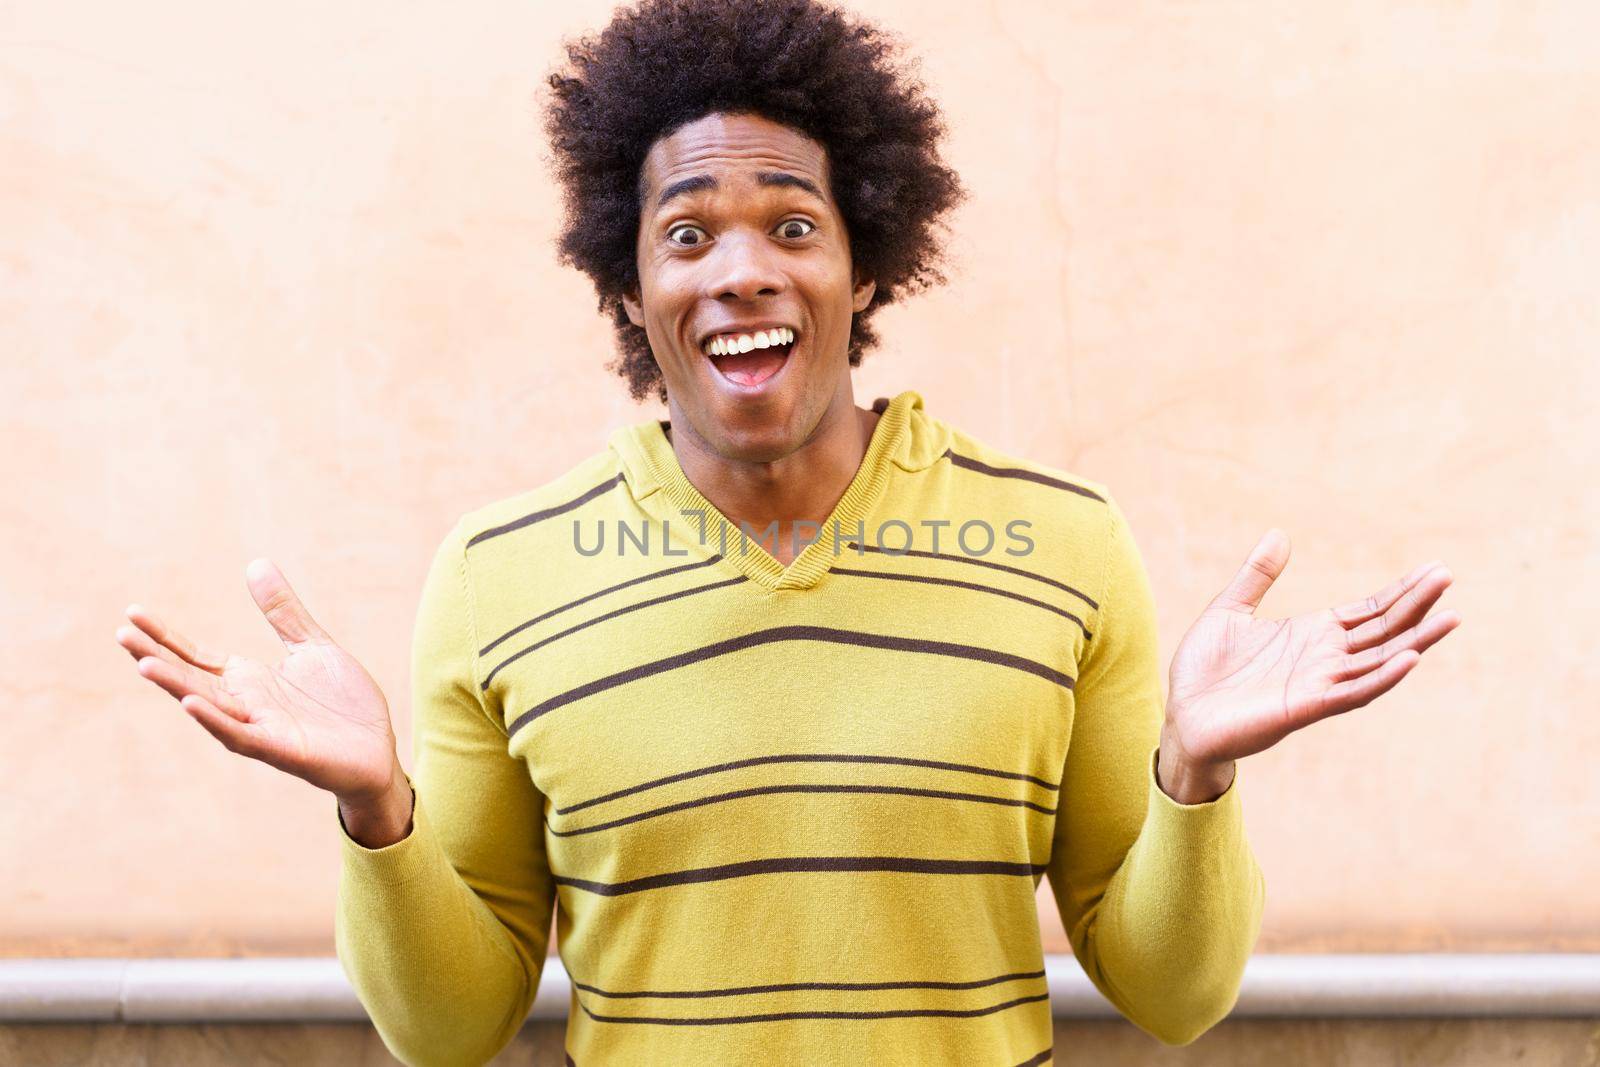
{"x": 663, "y": 63}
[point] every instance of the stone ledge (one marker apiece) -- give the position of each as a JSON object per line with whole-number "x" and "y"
{"x": 1275, "y": 986}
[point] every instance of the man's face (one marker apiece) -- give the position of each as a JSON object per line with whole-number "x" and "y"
{"x": 738, "y": 233}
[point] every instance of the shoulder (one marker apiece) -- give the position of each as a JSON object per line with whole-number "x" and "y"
{"x": 965, "y": 450}
{"x": 516, "y": 553}
{"x": 1064, "y": 517}
{"x": 994, "y": 477}
{"x": 529, "y": 518}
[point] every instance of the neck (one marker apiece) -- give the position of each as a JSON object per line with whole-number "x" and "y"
{"x": 803, "y": 486}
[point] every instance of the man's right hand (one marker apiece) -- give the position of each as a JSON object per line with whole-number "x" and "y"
{"x": 316, "y": 714}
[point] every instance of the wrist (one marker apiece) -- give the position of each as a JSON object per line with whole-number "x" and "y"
{"x": 1186, "y": 779}
{"x": 374, "y": 821}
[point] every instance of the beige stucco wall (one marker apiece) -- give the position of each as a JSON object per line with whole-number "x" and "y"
{"x": 278, "y": 280}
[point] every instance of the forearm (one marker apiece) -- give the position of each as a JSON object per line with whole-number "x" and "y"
{"x": 1169, "y": 940}
{"x": 440, "y": 975}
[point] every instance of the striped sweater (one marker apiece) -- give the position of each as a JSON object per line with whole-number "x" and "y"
{"x": 792, "y": 814}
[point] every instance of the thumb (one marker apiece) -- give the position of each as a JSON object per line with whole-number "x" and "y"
{"x": 280, "y": 605}
{"x": 1263, "y": 566}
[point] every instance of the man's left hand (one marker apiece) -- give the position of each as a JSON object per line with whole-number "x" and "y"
{"x": 1239, "y": 684}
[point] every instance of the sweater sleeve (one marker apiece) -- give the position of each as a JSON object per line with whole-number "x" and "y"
{"x": 1161, "y": 901}
{"x": 443, "y": 933}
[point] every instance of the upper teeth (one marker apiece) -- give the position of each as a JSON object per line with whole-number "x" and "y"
{"x": 725, "y": 343}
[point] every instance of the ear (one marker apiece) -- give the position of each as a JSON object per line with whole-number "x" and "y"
{"x": 861, "y": 295}
{"x": 635, "y": 309}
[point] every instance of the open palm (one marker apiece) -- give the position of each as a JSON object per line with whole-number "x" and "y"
{"x": 1239, "y": 684}
{"x": 316, "y": 714}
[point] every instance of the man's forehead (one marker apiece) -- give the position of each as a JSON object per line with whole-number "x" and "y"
{"x": 733, "y": 146}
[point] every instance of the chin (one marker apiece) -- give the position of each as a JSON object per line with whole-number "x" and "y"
{"x": 753, "y": 432}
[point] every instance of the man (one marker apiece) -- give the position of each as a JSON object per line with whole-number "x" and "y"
{"x": 787, "y": 703}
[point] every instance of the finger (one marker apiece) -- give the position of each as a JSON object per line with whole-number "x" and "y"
{"x": 1359, "y": 611}
{"x": 182, "y": 679}
{"x": 1412, "y": 606}
{"x": 1358, "y": 692}
{"x": 1420, "y": 638}
{"x": 235, "y": 736}
{"x": 139, "y": 644}
{"x": 280, "y": 605}
{"x": 184, "y": 648}
{"x": 1263, "y": 566}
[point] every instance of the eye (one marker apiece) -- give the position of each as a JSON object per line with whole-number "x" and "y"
{"x": 686, "y": 228}
{"x": 783, "y": 228}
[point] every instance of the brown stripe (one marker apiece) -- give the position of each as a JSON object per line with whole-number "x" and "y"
{"x": 789, "y": 987}
{"x": 569, "y": 1062}
{"x": 925, "y": 554}
{"x": 490, "y": 647}
{"x": 946, "y": 1013}
{"x": 537, "y": 516}
{"x": 937, "y": 794}
{"x": 795, "y": 864}
{"x": 792, "y": 633}
{"x": 964, "y": 585}
{"x": 1018, "y": 472}
{"x": 755, "y": 761}
{"x": 1037, "y": 1058}
{"x": 625, "y": 609}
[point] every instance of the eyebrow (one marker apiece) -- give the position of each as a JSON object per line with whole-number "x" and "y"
{"x": 698, "y": 182}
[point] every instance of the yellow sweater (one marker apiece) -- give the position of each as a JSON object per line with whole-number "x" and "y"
{"x": 793, "y": 815}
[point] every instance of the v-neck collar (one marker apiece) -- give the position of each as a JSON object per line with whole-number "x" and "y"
{"x": 650, "y": 464}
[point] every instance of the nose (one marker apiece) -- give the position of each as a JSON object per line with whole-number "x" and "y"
{"x": 744, "y": 267}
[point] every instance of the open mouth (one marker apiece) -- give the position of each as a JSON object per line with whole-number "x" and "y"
{"x": 748, "y": 359}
